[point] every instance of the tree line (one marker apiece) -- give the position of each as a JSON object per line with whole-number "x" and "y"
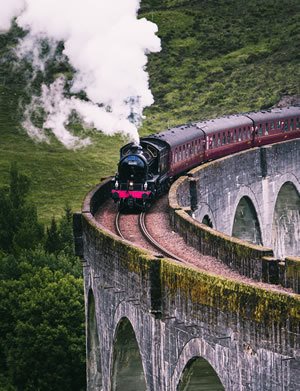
{"x": 42, "y": 333}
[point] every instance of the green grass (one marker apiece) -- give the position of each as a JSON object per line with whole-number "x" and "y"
{"x": 58, "y": 176}
{"x": 217, "y": 57}
{"x": 222, "y": 57}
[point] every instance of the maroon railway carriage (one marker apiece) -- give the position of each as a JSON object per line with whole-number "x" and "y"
{"x": 146, "y": 171}
{"x": 227, "y": 135}
{"x": 276, "y": 125}
{"x": 185, "y": 147}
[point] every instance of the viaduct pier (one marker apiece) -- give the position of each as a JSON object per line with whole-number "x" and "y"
{"x": 156, "y": 324}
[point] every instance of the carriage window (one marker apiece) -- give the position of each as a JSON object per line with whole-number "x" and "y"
{"x": 249, "y": 132}
{"x": 229, "y": 137}
{"x": 224, "y": 139}
{"x": 267, "y": 129}
{"x": 278, "y": 124}
{"x": 260, "y": 130}
{"x": 240, "y": 134}
{"x": 297, "y": 123}
{"x": 234, "y": 136}
{"x": 285, "y": 126}
{"x": 292, "y": 124}
{"x": 214, "y": 141}
{"x": 219, "y": 140}
{"x": 244, "y": 134}
{"x": 272, "y": 125}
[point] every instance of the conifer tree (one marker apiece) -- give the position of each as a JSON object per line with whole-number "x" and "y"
{"x": 19, "y": 226}
{"x": 52, "y": 244}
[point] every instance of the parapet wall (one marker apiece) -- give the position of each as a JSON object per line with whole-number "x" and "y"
{"x": 178, "y": 312}
{"x": 212, "y": 185}
{"x": 153, "y": 275}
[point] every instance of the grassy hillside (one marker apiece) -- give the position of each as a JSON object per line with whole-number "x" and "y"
{"x": 222, "y": 57}
{"x": 217, "y": 57}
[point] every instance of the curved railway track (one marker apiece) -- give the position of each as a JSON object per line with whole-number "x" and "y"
{"x": 117, "y": 225}
{"x": 145, "y": 233}
{"x": 151, "y": 240}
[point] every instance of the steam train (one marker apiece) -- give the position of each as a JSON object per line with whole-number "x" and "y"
{"x": 145, "y": 171}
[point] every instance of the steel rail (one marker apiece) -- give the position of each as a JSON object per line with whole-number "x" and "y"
{"x": 117, "y": 225}
{"x": 153, "y": 241}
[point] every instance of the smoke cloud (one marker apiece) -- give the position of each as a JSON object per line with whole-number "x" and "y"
{"x": 106, "y": 45}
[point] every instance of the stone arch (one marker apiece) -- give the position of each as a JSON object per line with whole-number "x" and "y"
{"x": 213, "y": 358}
{"x": 203, "y": 212}
{"x": 246, "y": 224}
{"x": 207, "y": 221}
{"x": 127, "y": 366}
{"x": 94, "y": 370}
{"x": 246, "y": 194}
{"x": 288, "y": 177}
{"x": 286, "y": 221}
{"x": 198, "y": 375}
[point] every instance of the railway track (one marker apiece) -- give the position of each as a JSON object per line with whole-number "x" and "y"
{"x": 154, "y": 243}
{"x": 146, "y": 235}
{"x": 117, "y": 225}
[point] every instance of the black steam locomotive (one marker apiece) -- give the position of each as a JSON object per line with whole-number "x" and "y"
{"x": 146, "y": 171}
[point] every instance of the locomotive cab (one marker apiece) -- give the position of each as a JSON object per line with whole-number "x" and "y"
{"x": 131, "y": 187}
{"x": 141, "y": 172}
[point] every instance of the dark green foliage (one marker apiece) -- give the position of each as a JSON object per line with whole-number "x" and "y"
{"x": 19, "y": 226}
{"x": 60, "y": 238}
{"x": 52, "y": 238}
{"x": 42, "y": 342}
{"x": 66, "y": 232}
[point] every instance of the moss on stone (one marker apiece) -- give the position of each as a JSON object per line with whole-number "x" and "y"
{"x": 201, "y": 288}
{"x": 198, "y": 287}
{"x": 292, "y": 265}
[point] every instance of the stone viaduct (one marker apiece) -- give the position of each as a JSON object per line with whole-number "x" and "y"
{"x": 155, "y": 324}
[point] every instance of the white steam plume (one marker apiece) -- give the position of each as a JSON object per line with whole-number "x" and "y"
{"x": 106, "y": 45}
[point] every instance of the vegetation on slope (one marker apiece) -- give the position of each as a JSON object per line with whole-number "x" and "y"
{"x": 217, "y": 57}
{"x": 222, "y": 57}
{"x": 42, "y": 342}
